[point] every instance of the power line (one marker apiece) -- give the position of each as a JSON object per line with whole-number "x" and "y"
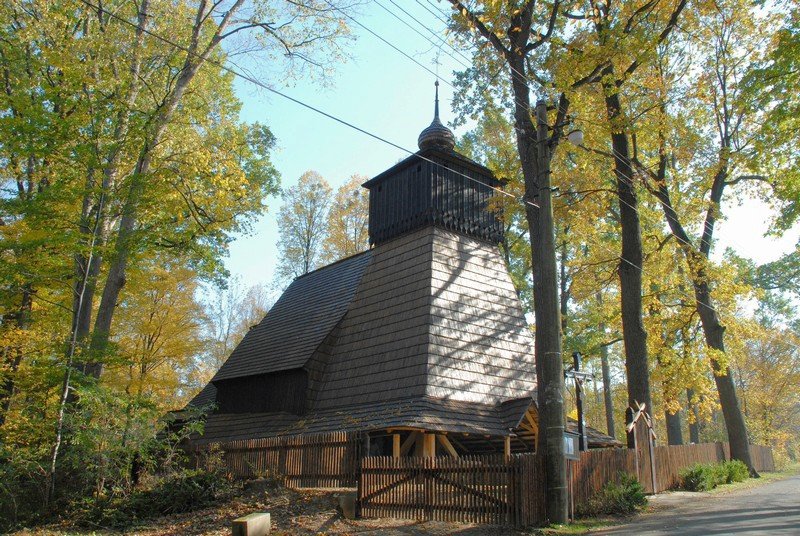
{"x": 301, "y": 103}
{"x": 439, "y": 37}
{"x": 351, "y": 125}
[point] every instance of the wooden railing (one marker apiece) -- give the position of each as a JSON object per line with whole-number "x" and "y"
{"x": 319, "y": 461}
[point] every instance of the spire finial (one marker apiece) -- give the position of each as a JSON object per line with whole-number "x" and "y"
{"x": 436, "y": 135}
{"x": 436, "y": 106}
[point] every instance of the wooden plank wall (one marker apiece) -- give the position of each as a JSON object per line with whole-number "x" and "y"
{"x": 492, "y": 490}
{"x": 762, "y": 458}
{"x": 319, "y": 461}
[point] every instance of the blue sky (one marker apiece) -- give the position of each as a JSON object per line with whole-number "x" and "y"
{"x": 378, "y": 90}
{"x": 385, "y": 93}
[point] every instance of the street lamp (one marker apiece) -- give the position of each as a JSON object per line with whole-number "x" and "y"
{"x": 575, "y": 137}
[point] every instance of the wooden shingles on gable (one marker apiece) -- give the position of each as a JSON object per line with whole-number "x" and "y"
{"x": 298, "y": 322}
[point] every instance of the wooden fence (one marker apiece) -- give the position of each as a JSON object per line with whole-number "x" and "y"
{"x": 499, "y": 491}
{"x": 319, "y": 461}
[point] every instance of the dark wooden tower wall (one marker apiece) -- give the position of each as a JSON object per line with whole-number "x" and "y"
{"x": 440, "y": 189}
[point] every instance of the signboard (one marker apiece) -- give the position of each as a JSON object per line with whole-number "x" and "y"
{"x": 571, "y": 446}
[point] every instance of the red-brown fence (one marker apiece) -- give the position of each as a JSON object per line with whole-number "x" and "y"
{"x": 494, "y": 490}
{"x": 320, "y": 461}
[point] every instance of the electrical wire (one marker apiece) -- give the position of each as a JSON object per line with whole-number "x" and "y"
{"x": 339, "y": 120}
{"x": 372, "y": 135}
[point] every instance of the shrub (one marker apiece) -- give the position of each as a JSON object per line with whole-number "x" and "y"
{"x": 707, "y": 476}
{"x": 179, "y": 492}
{"x": 623, "y": 498}
{"x": 736, "y": 471}
{"x": 699, "y": 477}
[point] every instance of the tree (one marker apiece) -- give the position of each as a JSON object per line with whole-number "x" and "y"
{"x": 122, "y": 142}
{"x": 348, "y": 221}
{"x": 159, "y": 335}
{"x": 731, "y": 38}
{"x": 770, "y": 86}
{"x": 302, "y": 226}
{"x": 231, "y": 312}
{"x": 512, "y": 33}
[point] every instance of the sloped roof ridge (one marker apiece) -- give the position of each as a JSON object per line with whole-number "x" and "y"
{"x": 303, "y": 316}
{"x": 334, "y": 263}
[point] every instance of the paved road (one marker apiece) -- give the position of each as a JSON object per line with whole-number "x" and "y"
{"x": 765, "y": 510}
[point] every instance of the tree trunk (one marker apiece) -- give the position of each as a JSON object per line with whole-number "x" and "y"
{"x": 13, "y": 357}
{"x": 630, "y": 266}
{"x": 607, "y": 398}
{"x": 563, "y": 288}
{"x": 674, "y": 432}
{"x": 714, "y": 333}
{"x": 694, "y": 425}
{"x": 606, "y": 369}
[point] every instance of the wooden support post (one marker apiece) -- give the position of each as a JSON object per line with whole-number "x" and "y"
{"x": 419, "y": 445}
{"x": 507, "y": 446}
{"x": 410, "y": 441}
{"x": 429, "y": 446}
{"x": 365, "y": 444}
{"x": 395, "y": 445}
{"x": 447, "y": 445}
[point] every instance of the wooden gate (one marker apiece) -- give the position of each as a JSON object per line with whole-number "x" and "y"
{"x": 472, "y": 489}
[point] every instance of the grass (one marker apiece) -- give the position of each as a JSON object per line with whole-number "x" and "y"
{"x": 790, "y": 470}
{"x": 582, "y": 526}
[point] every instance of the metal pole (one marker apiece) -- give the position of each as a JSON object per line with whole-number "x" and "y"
{"x": 583, "y": 443}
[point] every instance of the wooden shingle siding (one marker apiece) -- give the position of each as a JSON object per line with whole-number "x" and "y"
{"x": 421, "y": 327}
{"x": 380, "y": 351}
{"x": 481, "y": 349}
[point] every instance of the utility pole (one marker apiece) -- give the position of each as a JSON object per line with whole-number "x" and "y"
{"x": 548, "y": 332}
{"x": 579, "y": 377}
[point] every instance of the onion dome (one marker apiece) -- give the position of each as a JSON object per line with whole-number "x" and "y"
{"x": 436, "y": 136}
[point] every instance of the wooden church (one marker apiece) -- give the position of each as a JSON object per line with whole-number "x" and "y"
{"x": 419, "y": 344}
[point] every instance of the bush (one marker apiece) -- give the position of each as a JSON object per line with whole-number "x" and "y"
{"x": 623, "y": 498}
{"x": 736, "y": 471}
{"x": 180, "y": 492}
{"x": 707, "y": 476}
{"x": 700, "y": 477}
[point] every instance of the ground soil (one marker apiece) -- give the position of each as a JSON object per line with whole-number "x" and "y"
{"x": 305, "y": 511}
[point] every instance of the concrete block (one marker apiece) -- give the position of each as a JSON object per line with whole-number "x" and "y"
{"x": 256, "y": 524}
{"x": 347, "y": 504}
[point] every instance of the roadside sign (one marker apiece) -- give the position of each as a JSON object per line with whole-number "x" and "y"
{"x": 571, "y": 446}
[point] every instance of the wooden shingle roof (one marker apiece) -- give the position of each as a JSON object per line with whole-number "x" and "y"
{"x": 298, "y": 322}
{"x": 424, "y": 413}
{"x": 206, "y": 397}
